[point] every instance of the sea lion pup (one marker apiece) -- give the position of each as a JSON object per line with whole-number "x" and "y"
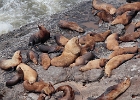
{"x": 29, "y": 74}
{"x": 124, "y": 19}
{"x": 16, "y": 79}
{"x": 82, "y": 60}
{"x": 135, "y": 6}
{"x": 40, "y": 37}
{"x": 115, "y": 62}
{"x": 60, "y": 40}
{"x": 41, "y": 96}
{"x": 100, "y": 5}
{"x": 124, "y": 50}
{"x": 45, "y": 60}
{"x": 40, "y": 86}
{"x": 32, "y": 56}
{"x": 94, "y": 64}
{"x": 6, "y": 64}
{"x": 68, "y": 92}
{"x": 68, "y": 56}
{"x": 48, "y": 49}
{"x": 112, "y": 42}
{"x": 70, "y": 25}
{"x": 114, "y": 91}
{"x": 129, "y": 37}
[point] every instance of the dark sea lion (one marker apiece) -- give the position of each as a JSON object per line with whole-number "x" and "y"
{"x": 100, "y": 5}
{"x": 130, "y": 1}
{"x": 70, "y": 25}
{"x": 114, "y": 91}
{"x": 40, "y": 37}
{"x": 68, "y": 92}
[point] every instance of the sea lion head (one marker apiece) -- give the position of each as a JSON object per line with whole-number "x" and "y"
{"x": 112, "y": 11}
{"x": 17, "y": 55}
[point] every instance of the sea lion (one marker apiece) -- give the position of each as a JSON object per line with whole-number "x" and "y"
{"x": 94, "y": 64}
{"x": 29, "y": 74}
{"x": 124, "y": 19}
{"x": 124, "y": 50}
{"x": 16, "y": 79}
{"x": 114, "y": 91}
{"x": 40, "y": 86}
{"x": 40, "y": 37}
{"x": 41, "y": 96}
{"x": 82, "y": 60}
{"x": 45, "y": 60}
{"x": 60, "y": 40}
{"x": 6, "y": 64}
{"x": 70, "y": 25}
{"x": 112, "y": 42}
{"x": 129, "y": 37}
{"x": 68, "y": 92}
{"x": 130, "y": 1}
{"x": 135, "y": 6}
{"x": 100, "y": 5}
{"x": 137, "y": 25}
{"x": 32, "y": 56}
{"x": 68, "y": 56}
{"x": 115, "y": 62}
{"x": 48, "y": 49}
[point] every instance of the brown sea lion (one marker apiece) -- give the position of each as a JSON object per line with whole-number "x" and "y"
{"x": 124, "y": 19}
{"x": 70, "y": 25}
{"x": 112, "y": 42}
{"x": 40, "y": 86}
{"x": 40, "y": 37}
{"x": 61, "y": 40}
{"x": 13, "y": 62}
{"x": 129, "y": 37}
{"x": 137, "y": 25}
{"x": 124, "y": 50}
{"x": 68, "y": 56}
{"x": 41, "y": 96}
{"x": 45, "y": 60}
{"x": 68, "y": 92}
{"x": 94, "y": 64}
{"x": 48, "y": 49}
{"x": 114, "y": 91}
{"x": 29, "y": 74}
{"x": 82, "y": 60}
{"x": 32, "y": 56}
{"x": 100, "y": 5}
{"x": 135, "y": 6}
{"x": 115, "y": 62}
{"x": 16, "y": 79}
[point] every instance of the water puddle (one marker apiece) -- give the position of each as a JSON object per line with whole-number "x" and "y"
{"x": 90, "y": 25}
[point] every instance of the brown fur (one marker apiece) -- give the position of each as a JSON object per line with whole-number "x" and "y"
{"x": 45, "y": 60}
{"x": 40, "y": 86}
{"x": 105, "y": 16}
{"x": 124, "y": 19}
{"x": 100, "y": 5}
{"x": 137, "y": 25}
{"x": 94, "y": 64}
{"x": 112, "y": 42}
{"x": 68, "y": 92}
{"x": 115, "y": 62}
{"x": 40, "y": 37}
{"x": 6, "y": 64}
{"x": 114, "y": 91}
{"x": 68, "y": 56}
{"x": 29, "y": 74}
{"x": 82, "y": 60}
{"x": 129, "y": 37}
{"x": 41, "y": 97}
{"x": 70, "y": 25}
{"x": 16, "y": 79}
{"x": 124, "y": 50}
{"x": 33, "y": 56}
{"x": 128, "y": 7}
{"x": 61, "y": 40}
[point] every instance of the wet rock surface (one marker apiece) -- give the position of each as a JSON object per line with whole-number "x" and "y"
{"x": 82, "y": 14}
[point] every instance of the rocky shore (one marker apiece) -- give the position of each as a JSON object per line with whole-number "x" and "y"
{"x": 82, "y": 14}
